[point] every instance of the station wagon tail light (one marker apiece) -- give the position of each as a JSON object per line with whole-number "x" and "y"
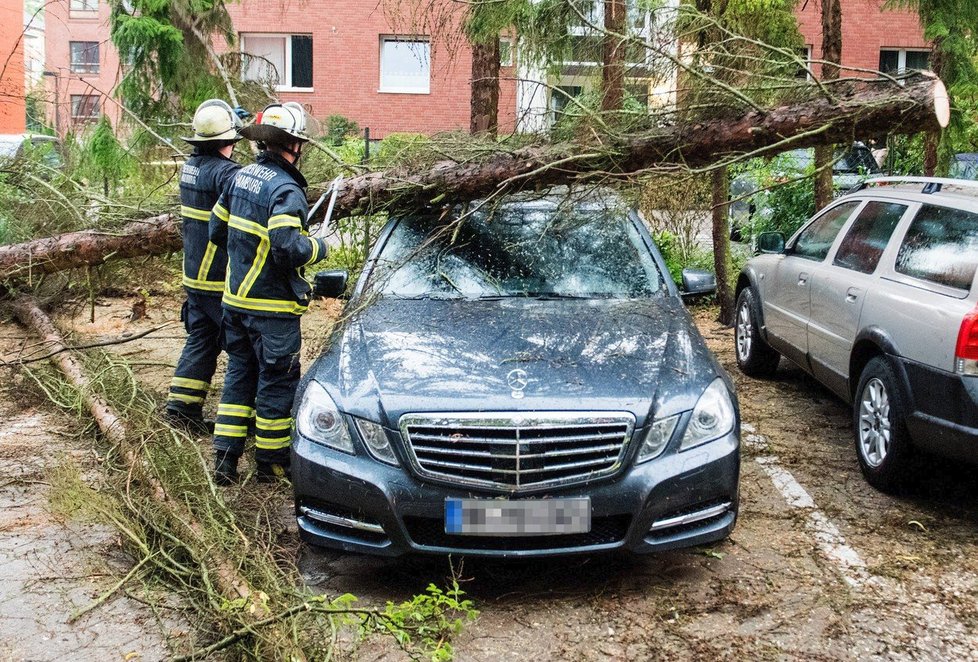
{"x": 966, "y": 352}
{"x": 318, "y": 419}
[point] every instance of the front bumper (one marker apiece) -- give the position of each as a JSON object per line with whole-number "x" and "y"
{"x": 358, "y": 504}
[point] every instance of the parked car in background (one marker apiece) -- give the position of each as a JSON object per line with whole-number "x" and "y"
{"x": 521, "y": 380}
{"x": 876, "y": 298}
{"x": 964, "y": 166}
{"x": 48, "y": 149}
{"x": 747, "y": 190}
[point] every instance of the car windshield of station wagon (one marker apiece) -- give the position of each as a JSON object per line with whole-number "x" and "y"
{"x": 519, "y": 250}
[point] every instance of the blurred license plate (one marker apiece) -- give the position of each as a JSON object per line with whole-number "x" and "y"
{"x": 499, "y": 517}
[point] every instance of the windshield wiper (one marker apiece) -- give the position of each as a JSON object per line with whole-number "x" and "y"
{"x": 553, "y": 296}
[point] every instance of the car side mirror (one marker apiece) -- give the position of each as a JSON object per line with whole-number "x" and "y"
{"x": 698, "y": 282}
{"x": 330, "y": 284}
{"x": 770, "y": 242}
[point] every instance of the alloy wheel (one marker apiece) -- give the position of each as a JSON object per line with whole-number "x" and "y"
{"x": 874, "y": 422}
{"x": 745, "y": 330}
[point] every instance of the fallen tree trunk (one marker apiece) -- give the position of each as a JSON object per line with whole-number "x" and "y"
{"x": 151, "y": 236}
{"x": 879, "y": 107}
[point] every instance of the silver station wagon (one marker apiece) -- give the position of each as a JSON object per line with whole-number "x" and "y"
{"x": 876, "y": 298}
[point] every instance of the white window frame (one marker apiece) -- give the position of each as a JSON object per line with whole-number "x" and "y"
{"x": 85, "y": 118}
{"x": 809, "y": 50}
{"x": 85, "y": 68}
{"x": 389, "y": 89}
{"x": 902, "y": 57}
{"x": 83, "y": 6}
{"x": 597, "y": 20}
{"x": 287, "y": 74}
{"x": 511, "y": 60}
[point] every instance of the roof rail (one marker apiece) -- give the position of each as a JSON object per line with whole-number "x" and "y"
{"x": 931, "y": 184}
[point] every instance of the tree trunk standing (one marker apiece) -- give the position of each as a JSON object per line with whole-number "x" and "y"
{"x": 721, "y": 245}
{"x": 832, "y": 59}
{"x": 613, "y": 56}
{"x": 484, "y": 112}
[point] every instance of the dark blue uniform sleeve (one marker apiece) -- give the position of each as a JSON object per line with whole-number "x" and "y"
{"x": 291, "y": 247}
{"x": 217, "y": 229}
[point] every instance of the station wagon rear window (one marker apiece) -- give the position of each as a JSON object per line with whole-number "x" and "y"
{"x": 941, "y": 246}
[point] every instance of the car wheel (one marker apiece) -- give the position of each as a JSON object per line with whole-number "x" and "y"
{"x": 879, "y": 411}
{"x": 754, "y": 356}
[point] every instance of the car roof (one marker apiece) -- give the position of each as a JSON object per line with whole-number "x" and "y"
{"x": 925, "y": 190}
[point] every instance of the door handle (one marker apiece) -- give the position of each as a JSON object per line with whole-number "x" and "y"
{"x": 852, "y": 294}
{"x": 802, "y": 278}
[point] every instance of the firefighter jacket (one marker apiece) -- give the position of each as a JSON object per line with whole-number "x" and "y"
{"x": 202, "y": 179}
{"x": 261, "y": 220}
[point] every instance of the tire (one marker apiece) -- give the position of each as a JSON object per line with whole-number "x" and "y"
{"x": 755, "y": 357}
{"x": 879, "y": 411}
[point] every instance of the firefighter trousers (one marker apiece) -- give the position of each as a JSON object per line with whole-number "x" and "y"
{"x": 201, "y": 315}
{"x": 261, "y": 380}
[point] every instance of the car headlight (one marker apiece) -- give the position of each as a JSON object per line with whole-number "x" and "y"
{"x": 375, "y": 439}
{"x": 659, "y": 434}
{"x": 319, "y": 420}
{"x": 713, "y": 416}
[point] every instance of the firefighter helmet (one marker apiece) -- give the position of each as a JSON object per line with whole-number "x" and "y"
{"x": 214, "y": 121}
{"x": 278, "y": 124}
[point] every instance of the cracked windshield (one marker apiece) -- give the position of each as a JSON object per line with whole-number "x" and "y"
{"x": 530, "y": 250}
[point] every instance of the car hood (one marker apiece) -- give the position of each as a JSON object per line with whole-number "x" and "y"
{"x": 400, "y": 356}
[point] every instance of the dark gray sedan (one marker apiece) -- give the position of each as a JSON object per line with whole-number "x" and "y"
{"x": 516, "y": 378}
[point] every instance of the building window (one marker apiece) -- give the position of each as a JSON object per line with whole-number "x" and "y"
{"x": 83, "y": 5}
{"x": 805, "y": 66}
{"x": 85, "y": 107}
{"x": 282, "y": 60}
{"x": 505, "y": 52}
{"x": 405, "y": 65}
{"x": 84, "y": 57}
{"x": 898, "y": 61}
{"x": 561, "y": 98}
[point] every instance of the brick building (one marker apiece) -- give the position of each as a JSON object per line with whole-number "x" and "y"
{"x": 347, "y": 57}
{"x": 82, "y": 67}
{"x": 872, "y": 38}
{"x": 13, "y": 115}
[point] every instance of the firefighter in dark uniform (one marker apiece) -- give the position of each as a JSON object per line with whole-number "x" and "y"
{"x": 203, "y": 177}
{"x": 261, "y": 219}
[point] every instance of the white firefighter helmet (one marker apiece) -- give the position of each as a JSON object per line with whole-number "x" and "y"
{"x": 214, "y": 121}
{"x": 278, "y": 124}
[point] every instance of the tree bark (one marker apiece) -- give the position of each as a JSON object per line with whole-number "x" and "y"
{"x": 151, "y": 236}
{"x": 832, "y": 57}
{"x": 484, "y": 112}
{"x": 882, "y": 108}
{"x": 613, "y": 56}
{"x": 721, "y": 245}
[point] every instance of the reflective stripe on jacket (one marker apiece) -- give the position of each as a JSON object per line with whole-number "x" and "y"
{"x": 202, "y": 179}
{"x": 261, "y": 220}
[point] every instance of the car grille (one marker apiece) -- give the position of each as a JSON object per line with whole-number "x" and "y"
{"x": 518, "y": 451}
{"x": 430, "y": 532}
